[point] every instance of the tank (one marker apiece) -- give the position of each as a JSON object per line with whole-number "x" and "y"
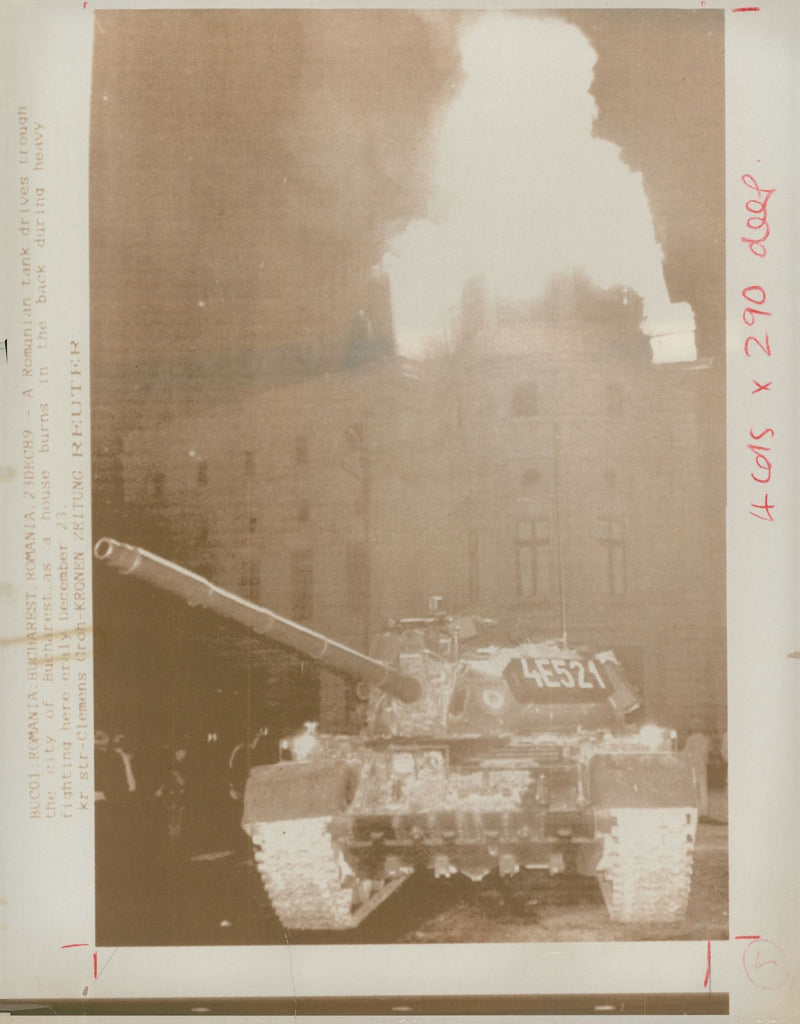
{"x": 473, "y": 757}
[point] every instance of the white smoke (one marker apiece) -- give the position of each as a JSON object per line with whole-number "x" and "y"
{"x": 521, "y": 190}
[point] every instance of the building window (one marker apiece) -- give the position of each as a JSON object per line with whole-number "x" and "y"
{"x": 252, "y": 524}
{"x": 303, "y": 511}
{"x": 523, "y": 400}
{"x": 533, "y": 558}
{"x": 202, "y": 473}
{"x": 202, "y": 535}
{"x": 249, "y": 463}
{"x": 302, "y": 581}
{"x": 357, "y": 574}
{"x": 300, "y": 451}
{"x": 612, "y": 543}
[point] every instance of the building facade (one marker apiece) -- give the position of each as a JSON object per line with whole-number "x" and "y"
{"x": 542, "y": 473}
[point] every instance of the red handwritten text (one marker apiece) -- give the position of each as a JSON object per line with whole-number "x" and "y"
{"x": 756, "y": 295}
{"x": 763, "y": 345}
{"x": 763, "y": 463}
{"x": 757, "y": 222}
{"x": 765, "y": 964}
{"x": 762, "y": 473}
{"x": 765, "y": 507}
{"x": 755, "y": 298}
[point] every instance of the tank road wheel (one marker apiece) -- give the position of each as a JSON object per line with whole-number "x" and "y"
{"x": 646, "y": 870}
{"x": 308, "y": 880}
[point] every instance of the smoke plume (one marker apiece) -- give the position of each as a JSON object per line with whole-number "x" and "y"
{"x": 521, "y": 190}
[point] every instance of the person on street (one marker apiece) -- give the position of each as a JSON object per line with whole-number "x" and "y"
{"x": 244, "y": 756}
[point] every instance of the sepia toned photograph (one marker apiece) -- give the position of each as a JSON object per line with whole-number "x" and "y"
{"x": 408, "y": 476}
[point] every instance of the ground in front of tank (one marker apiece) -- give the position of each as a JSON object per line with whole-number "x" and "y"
{"x": 219, "y": 901}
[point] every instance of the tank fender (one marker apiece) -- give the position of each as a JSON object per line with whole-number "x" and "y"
{"x": 291, "y": 790}
{"x": 662, "y": 779}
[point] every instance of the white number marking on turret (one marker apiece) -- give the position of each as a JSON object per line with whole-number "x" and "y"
{"x": 560, "y": 666}
{"x": 545, "y": 667}
{"x": 581, "y": 673}
{"x": 555, "y": 673}
{"x": 596, "y": 674}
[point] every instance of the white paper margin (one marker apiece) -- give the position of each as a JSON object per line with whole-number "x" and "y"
{"x": 47, "y": 876}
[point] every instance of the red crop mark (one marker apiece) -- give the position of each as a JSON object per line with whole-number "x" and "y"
{"x": 738, "y": 10}
{"x": 747, "y": 936}
{"x": 78, "y": 945}
{"x": 708, "y": 964}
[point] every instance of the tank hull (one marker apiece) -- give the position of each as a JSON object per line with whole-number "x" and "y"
{"x": 473, "y": 808}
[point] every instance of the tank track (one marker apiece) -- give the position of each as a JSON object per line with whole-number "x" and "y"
{"x": 647, "y": 870}
{"x": 308, "y": 880}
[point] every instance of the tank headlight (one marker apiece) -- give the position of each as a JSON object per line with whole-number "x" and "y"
{"x": 652, "y": 736}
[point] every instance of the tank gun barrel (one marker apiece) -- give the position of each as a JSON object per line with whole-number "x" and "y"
{"x": 199, "y": 592}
